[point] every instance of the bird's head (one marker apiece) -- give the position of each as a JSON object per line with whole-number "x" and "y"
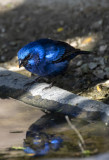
{"x": 23, "y": 57}
{"x": 26, "y": 55}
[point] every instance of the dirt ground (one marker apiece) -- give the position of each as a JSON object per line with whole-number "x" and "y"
{"x": 83, "y": 24}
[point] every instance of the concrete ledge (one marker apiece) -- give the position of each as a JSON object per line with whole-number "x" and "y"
{"x": 98, "y": 157}
{"x": 54, "y": 99}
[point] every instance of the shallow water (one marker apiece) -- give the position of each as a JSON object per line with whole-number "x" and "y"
{"x": 51, "y": 136}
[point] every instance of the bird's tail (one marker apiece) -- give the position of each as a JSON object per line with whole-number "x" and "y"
{"x": 79, "y": 52}
{"x": 83, "y": 52}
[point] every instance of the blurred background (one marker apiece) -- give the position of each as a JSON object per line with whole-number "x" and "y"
{"x": 80, "y": 23}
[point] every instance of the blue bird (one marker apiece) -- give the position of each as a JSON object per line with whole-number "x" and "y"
{"x": 47, "y": 57}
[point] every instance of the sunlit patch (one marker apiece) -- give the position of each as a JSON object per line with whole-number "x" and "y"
{"x": 98, "y": 88}
{"x": 10, "y": 4}
{"x": 86, "y": 42}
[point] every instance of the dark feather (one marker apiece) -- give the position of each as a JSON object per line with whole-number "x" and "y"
{"x": 70, "y": 52}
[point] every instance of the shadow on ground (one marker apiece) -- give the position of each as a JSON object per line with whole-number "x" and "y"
{"x": 30, "y": 21}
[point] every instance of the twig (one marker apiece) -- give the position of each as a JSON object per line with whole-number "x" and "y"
{"x": 81, "y": 147}
{"x": 74, "y": 128}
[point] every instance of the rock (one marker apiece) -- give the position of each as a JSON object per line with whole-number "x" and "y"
{"x": 102, "y": 48}
{"x": 106, "y": 59}
{"x": 92, "y": 65}
{"x": 3, "y": 30}
{"x": 2, "y": 58}
{"x": 100, "y": 61}
{"x": 79, "y": 63}
{"x": 61, "y": 22}
{"x": 78, "y": 72}
{"x": 22, "y": 17}
{"x": 13, "y": 43}
{"x": 97, "y": 59}
{"x": 106, "y": 83}
{"x": 2, "y": 35}
{"x": 4, "y": 46}
{"x": 107, "y": 69}
{"x": 85, "y": 68}
{"x": 97, "y": 24}
{"x": 102, "y": 64}
{"x": 107, "y": 72}
{"x": 22, "y": 25}
{"x": 99, "y": 74}
{"x": 107, "y": 75}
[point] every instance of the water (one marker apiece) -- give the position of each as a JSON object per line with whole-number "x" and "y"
{"x": 52, "y": 137}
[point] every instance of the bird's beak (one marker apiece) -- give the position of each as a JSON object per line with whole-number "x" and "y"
{"x": 20, "y": 63}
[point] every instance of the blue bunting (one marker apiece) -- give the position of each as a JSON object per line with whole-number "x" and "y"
{"x": 47, "y": 57}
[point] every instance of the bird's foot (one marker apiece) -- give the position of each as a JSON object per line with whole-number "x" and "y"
{"x": 48, "y": 87}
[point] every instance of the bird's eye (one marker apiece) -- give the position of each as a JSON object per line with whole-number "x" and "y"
{"x": 24, "y": 62}
{"x": 28, "y": 57}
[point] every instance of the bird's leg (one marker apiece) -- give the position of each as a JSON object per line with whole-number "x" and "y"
{"x": 34, "y": 81}
{"x": 32, "y": 74}
{"x": 50, "y": 85}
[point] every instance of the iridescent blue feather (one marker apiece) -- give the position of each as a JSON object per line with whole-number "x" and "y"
{"x": 47, "y": 57}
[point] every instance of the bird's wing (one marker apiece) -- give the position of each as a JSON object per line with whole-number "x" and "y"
{"x": 69, "y": 53}
{"x": 56, "y": 51}
{"x": 49, "y": 49}
{"x": 59, "y": 51}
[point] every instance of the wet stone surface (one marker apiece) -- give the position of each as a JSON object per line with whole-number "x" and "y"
{"x": 52, "y": 137}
